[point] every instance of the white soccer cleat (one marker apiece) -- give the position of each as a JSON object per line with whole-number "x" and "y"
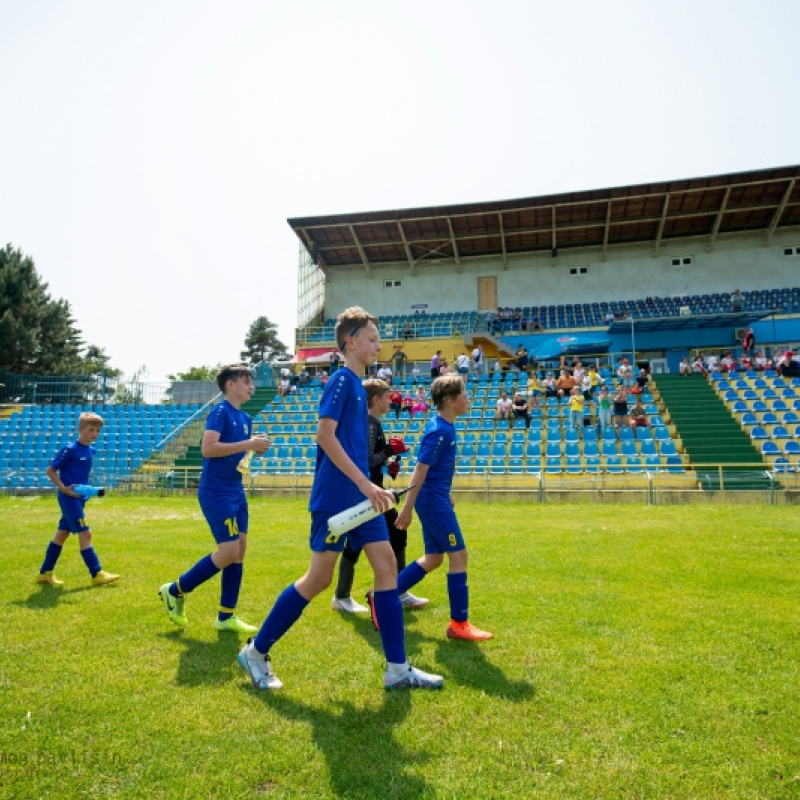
{"x": 412, "y": 678}
{"x": 412, "y": 601}
{"x": 348, "y": 605}
{"x": 259, "y": 668}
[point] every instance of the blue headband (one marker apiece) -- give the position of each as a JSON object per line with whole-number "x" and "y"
{"x": 352, "y": 333}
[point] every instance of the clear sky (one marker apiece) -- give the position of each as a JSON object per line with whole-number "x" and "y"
{"x": 151, "y": 151}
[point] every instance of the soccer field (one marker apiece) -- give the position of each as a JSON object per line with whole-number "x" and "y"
{"x": 640, "y": 652}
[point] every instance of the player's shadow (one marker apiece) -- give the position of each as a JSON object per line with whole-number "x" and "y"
{"x": 360, "y": 746}
{"x": 45, "y": 597}
{"x": 202, "y": 662}
{"x": 363, "y": 627}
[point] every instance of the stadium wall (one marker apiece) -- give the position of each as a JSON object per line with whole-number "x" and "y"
{"x": 741, "y": 262}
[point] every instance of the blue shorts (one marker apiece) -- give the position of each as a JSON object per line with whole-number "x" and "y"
{"x": 373, "y": 530}
{"x": 72, "y": 514}
{"x": 440, "y": 530}
{"x": 227, "y": 515}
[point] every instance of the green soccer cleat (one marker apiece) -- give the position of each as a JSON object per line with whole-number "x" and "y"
{"x": 102, "y": 578}
{"x": 174, "y": 606}
{"x": 48, "y": 578}
{"x": 234, "y": 624}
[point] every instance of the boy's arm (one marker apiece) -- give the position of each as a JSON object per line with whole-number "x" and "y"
{"x": 56, "y": 479}
{"x": 417, "y": 479}
{"x": 382, "y": 500}
{"x": 212, "y": 447}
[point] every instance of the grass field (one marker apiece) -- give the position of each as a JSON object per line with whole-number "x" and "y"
{"x": 640, "y": 652}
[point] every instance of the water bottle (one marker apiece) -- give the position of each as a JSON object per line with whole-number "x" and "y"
{"x": 356, "y": 515}
{"x": 86, "y": 491}
{"x": 244, "y": 465}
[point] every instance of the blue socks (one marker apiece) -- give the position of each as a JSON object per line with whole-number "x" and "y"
{"x": 409, "y": 577}
{"x": 51, "y": 557}
{"x": 91, "y": 560}
{"x": 389, "y": 612}
{"x": 458, "y": 593}
{"x": 204, "y": 569}
{"x": 229, "y": 596}
{"x": 286, "y": 611}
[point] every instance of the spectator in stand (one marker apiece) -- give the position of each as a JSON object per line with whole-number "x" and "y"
{"x": 578, "y": 372}
{"x": 385, "y": 374}
{"x": 788, "y": 365}
{"x": 415, "y": 373}
{"x": 323, "y": 377}
{"x": 625, "y": 374}
{"x": 712, "y": 362}
{"x": 408, "y": 331}
{"x": 503, "y": 408}
{"x": 638, "y": 415}
{"x": 642, "y": 379}
{"x": 760, "y": 361}
{"x": 737, "y": 301}
{"x": 698, "y": 366}
{"x": 727, "y": 364}
{"x": 284, "y": 387}
{"x": 478, "y": 360}
{"x": 596, "y": 378}
{"x": 462, "y": 365}
{"x": 497, "y": 325}
{"x": 749, "y": 342}
{"x": 585, "y": 387}
{"x": 399, "y": 358}
{"x": 523, "y": 323}
{"x": 576, "y": 402}
{"x": 521, "y": 359}
{"x": 685, "y": 367}
{"x": 621, "y": 407}
{"x": 534, "y": 391}
{"x": 520, "y": 409}
{"x": 550, "y": 386}
{"x": 408, "y": 404}
{"x": 445, "y": 369}
{"x": 604, "y": 409}
{"x": 436, "y": 365}
{"x": 609, "y": 317}
{"x": 565, "y": 384}
{"x": 536, "y": 324}
{"x": 745, "y": 363}
{"x": 396, "y": 402}
{"x": 420, "y": 402}
{"x": 303, "y": 378}
{"x": 333, "y": 362}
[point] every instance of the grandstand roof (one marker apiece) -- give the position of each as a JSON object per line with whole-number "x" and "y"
{"x": 764, "y": 201}
{"x": 738, "y": 319}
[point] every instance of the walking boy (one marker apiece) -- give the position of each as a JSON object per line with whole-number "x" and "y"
{"x": 432, "y": 479}
{"x": 340, "y": 482}
{"x": 71, "y": 467}
{"x": 378, "y": 402}
{"x": 228, "y": 436}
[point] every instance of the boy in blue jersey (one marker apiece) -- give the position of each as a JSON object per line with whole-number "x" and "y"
{"x": 71, "y": 467}
{"x": 341, "y": 480}
{"x": 228, "y": 436}
{"x": 432, "y": 479}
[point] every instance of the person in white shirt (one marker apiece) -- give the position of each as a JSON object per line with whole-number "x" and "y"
{"x": 462, "y": 364}
{"x": 385, "y": 374}
{"x": 504, "y": 404}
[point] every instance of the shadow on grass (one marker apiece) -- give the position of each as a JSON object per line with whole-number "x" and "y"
{"x": 466, "y": 661}
{"x": 364, "y": 758}
{"x": 45, "y": 596}
{"x": 204, "y": 663}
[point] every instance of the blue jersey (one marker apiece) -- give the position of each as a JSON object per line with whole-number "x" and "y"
{"x": 344, "y": 400}
{"x": 74, "y": 463}
{"x": 233, "y": 425}
{"x": 438, "y": 450}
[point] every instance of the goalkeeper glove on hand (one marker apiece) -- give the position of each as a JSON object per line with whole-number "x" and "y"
{"x": 395, "y": 447}
{"x": 393, "y": 469}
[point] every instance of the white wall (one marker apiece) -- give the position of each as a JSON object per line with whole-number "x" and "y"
{"x": 629, "y": 274}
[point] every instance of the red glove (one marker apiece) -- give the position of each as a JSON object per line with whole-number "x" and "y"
{"x": 395, "y": 447}
{"x": 393, "y": 469}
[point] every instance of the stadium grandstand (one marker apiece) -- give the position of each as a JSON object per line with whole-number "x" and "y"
{"x": 655, "y": 274}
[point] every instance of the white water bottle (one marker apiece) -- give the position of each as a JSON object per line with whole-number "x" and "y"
{"x": 356, "y": 515}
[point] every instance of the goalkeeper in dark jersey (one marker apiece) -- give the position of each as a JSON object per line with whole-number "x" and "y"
{"x": 383, "y": 454}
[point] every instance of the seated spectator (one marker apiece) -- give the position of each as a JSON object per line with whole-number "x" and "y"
{"x": 408, "y": 404}
{"x": 534, "y": 391}
{"x": 621, "y": 407}
{"x": 712, "y": 363}
{"x": 521, "y": 359}
{"x": 462, "y": 364}
{"x": 698, "y": 366}
{"x": 585, "y": 386}
{"x": 385, "y": 373}
{"x": 523, "y": 323}
{"x": 595, "y": 377}
{"x": 788, "y": 365}
{"x": 578, "y": 372}
{"x": 685, "y": 368}
{"x": 323, "y": 377}
{"x": 420, "y": 403}
{"x": 503, "y": 407}
{"x": 445, "y": 368}
{"x": 550, "y": 387}
{"x": 415, "y": 373}
{"x": 396, "y": 402}
{"x": 642, "y": 379}
{"x": 609, "y": 317}
{"x": 745, "y": 363}
{"x": 760, "y": 361}
{"x": 565, "y": 383}
{"x": 521, "y": 410}
{"x": 408, "y": 332}
{"x": 303, "y": 378}
{"x": 638, "y": 415}
{"x": 604, "y": 409}
{"x": 737, "y": 301}
{"x": 625, "y": 374}
{"x": 726, "y": 363}
{"x": 576, "y": 403}
{"x": 536, "y": 324}
{"x": 284, "y": 387}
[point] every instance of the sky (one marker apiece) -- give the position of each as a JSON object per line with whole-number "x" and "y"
{"x": 151, "y": 152}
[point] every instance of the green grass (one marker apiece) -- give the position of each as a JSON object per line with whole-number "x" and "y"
{"x": 639, "y": 653}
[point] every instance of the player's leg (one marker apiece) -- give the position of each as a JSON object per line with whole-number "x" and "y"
{"x": 230, "y": 586}
{"x": 99, "y": 576}
{"x": 458, "y": 593}
{"x": 51, "y": 556}
{"x": 399, "y": 540}
{"x": 342, "y": 597}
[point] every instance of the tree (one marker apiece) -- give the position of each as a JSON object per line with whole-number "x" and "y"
{"x": 196, "y": 374}
{"x": 96, "y": 362}
{"x": 262, "y": 343}
{"x": 37, "y": 334}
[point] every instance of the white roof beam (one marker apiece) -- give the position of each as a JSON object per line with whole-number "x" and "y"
{"x": 718, "y": 220}
{"x": 361, "y": 251}
{"x": 661, "y": 224}
{"x": 503, "y": 240}
{"x": 776, "y": 218}
{"x": 459, "y": 268}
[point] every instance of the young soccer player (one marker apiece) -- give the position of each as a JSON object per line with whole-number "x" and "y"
{"x": 341, "y": 481}
{"x": 378, "y": 401}
{"x": 228, "y": 436}
{"x": 432, "y": 479}
{"x": 70, "y": 467}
